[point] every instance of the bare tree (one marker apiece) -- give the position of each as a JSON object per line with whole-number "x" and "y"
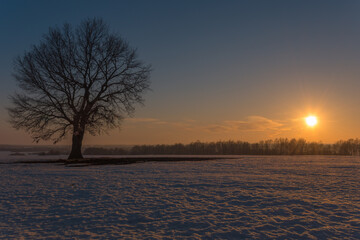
{"x": 77, "y": 81}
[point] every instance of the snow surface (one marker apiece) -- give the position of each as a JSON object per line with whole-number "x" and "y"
{"x": 257, "y": 197}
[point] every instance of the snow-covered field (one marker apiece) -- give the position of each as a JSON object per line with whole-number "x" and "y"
{"x": 256, "y": 197}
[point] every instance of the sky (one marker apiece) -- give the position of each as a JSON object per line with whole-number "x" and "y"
{"x": 222, "y": 70}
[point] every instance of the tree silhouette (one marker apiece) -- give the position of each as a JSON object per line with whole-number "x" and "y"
{"x": 76, "y": 81}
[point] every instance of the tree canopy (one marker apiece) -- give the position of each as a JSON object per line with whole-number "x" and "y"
{"x": 75, "y": 81}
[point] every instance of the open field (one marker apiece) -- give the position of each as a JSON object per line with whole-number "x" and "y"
{"x": 283, "y": 197}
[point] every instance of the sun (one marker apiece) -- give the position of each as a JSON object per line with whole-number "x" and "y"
{"x": 311, "y": 121}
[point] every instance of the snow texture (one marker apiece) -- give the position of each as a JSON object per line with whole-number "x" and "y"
{"x": 255, "y": 197}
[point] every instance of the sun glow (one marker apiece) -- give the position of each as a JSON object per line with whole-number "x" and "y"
{"x": 311, "y": 121}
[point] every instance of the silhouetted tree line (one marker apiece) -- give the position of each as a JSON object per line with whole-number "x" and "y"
{"x": 280, "y": 146}
{"x": 105, "y": 151}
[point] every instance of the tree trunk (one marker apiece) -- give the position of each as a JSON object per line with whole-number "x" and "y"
{"x": 76, "y": 145}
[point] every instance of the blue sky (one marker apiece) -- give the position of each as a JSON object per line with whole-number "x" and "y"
{"x": 220, "y": 67}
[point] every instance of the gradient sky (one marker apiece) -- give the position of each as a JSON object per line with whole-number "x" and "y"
{"x": 240, "y": 70}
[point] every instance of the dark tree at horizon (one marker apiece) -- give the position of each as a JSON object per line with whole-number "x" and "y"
{"x": 76, "y": 81}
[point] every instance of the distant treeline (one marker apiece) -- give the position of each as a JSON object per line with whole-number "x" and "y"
{"x": 281, "y": 146}
{"x": 105, "y": 151}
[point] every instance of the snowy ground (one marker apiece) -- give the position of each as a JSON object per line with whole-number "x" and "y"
{"x": 307, "y": 197}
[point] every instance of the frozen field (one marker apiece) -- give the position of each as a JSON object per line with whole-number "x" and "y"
{"x": 256, "y": 197}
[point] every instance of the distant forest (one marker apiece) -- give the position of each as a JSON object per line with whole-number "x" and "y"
{"x": 281, "y": 146}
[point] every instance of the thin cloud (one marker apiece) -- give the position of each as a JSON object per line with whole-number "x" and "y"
{"x": 250, "y": 124}
{"x": 156, "y": 121}
{"x": 217, "y": 128}
{"x": 255, "y": 123}
{"x": 142, "y": 120}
